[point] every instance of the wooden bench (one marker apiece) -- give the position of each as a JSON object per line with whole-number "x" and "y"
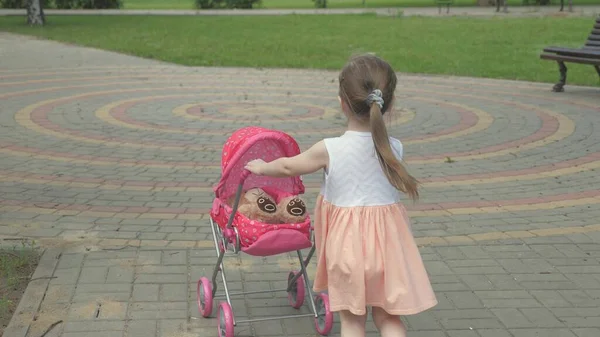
{"x": 588, "y": 54}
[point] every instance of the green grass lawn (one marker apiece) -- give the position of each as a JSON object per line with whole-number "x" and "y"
{"x": 483, "y": 47}
{"x": 16, "y": 267}
{"x": 189, "y": 4}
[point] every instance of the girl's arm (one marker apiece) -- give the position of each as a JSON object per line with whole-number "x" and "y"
{"x": 309, "y": 161}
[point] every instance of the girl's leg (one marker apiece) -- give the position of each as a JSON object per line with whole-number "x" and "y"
{"x": 352, "y": 325}
{"x": 388, "y": 325}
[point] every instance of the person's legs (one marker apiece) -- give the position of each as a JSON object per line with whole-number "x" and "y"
{"x": 352, "y": 325}
{"x": 388, "y": 325}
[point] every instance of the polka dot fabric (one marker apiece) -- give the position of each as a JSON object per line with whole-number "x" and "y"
{"x": 244, "y": 145}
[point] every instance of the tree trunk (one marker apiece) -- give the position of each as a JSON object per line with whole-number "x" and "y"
{"x": 35, "y": 13}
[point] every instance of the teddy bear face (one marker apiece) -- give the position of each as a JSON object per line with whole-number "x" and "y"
{"x": 296, "y": 207}
{"x": 266, "y": 205}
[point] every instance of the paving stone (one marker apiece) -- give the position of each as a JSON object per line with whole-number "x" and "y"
{"x": 41, "y": 233}
{"x": 109, "y": 262}
{"x": 149, "y": 257}
{"x": 67, "y": 226}
{"x": 172, "y": 327}
{"x": 158, "y": 310}
{"x": 173, "y": 292}
{"x": 511, "y": 303}
{"x": 477, "y": 282}
{"x": 93, "y": 275}
{"x": 174, "y": 257}
{"x": 5, "y": 230}
{"x": 578, "y": 298}
{"x": 542, "y": 332}
{"x": 66, "y": 276}
{"x": 111, "y": 255}
{"x": 494, "y": 333}
{"x": 119, "y": 275}
{"x": 438, "y": 268}
{"x": 504, "y": 282}
{"x": 70, "y": 261}
{"x": 587, "y": 332}
{"x": 595, "y": 294}
{"x": 440, "y": 287}
{"x": 160, "y": 278}
{"x": 172, "y": 222}
{"x": 472, "y": 263}
{"x": 103, "y": 287}
{"x": 585, "y": 281}
{"x": 426, "y": 320}
{"x": 112, "y": 296}
{"x": 525, "y": 265}
{"x": 431, "y": 333}
{"x": 171, "y": 229}
{"x": 513, "y": 318}
{"x": 137, "y": 228}
{"x": 145, "y": 292}
{"x": 462, "y": 333}
{"x": 550, "y": 298}
{"x": 549, "y": 285}
{"x": 152, "y": 236}
{"x": 583, "y": 322}
{"x": 160, "y": 269}
{"x": 464, "y": 299}
{"x": 61, "y": 293}
{"x": 468, "y": 324}
{"x": 142, "y": 328}
{"x": 94, "y": 326}
{"x": 93, "y": 334}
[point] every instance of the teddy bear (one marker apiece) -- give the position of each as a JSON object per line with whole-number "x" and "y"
{"x": 291, "y": 209}
{"x": 256, "y": 204}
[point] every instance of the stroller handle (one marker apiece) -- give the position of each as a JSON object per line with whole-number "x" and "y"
{"x": 238, "y": 194}
{"x": 244, "y": 176}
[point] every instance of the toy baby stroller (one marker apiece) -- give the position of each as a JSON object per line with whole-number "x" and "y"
{"x": 234, "y": 232}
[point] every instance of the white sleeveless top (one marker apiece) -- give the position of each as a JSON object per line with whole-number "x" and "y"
{"x": 354, "y": 176}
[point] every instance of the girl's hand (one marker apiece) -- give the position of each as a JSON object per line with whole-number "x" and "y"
{"x": 256, "y": 166}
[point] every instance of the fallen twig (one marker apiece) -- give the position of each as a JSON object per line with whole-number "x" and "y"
{"x": 51, "y": 327}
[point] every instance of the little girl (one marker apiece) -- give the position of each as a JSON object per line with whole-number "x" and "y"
{"x": 367, "y": 256}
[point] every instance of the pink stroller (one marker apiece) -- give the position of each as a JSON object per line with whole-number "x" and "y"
{"x": 234, "y": 232}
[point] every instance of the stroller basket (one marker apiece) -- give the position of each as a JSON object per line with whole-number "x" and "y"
{"x": 234, "y": 233}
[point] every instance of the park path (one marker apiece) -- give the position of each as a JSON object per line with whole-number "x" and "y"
{"x": 107, "y": 162}
{"x": 406, "y": 11}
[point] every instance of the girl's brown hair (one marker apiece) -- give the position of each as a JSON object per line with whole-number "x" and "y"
{"x": 359, "y": 78}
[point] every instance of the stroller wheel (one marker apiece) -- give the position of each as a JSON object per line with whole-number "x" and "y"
{"x": 225, "y": 320}
{"x": 324, "y": 321}
{"x": 204, "y": 297}
{"x": 297, "y": 291}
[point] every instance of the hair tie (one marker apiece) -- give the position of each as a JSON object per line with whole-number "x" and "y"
{"x": 375, "y": 97}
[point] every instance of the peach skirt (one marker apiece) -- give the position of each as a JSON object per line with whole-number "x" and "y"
{"x": 367, "y": 257}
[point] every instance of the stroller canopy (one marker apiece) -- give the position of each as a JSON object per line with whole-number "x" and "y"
{"x": 251, "y": 143}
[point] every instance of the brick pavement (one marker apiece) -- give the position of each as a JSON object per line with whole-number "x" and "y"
{"x": 110, "y": 168}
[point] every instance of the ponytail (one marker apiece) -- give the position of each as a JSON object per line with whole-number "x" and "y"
{"x": 395, "y": 172}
